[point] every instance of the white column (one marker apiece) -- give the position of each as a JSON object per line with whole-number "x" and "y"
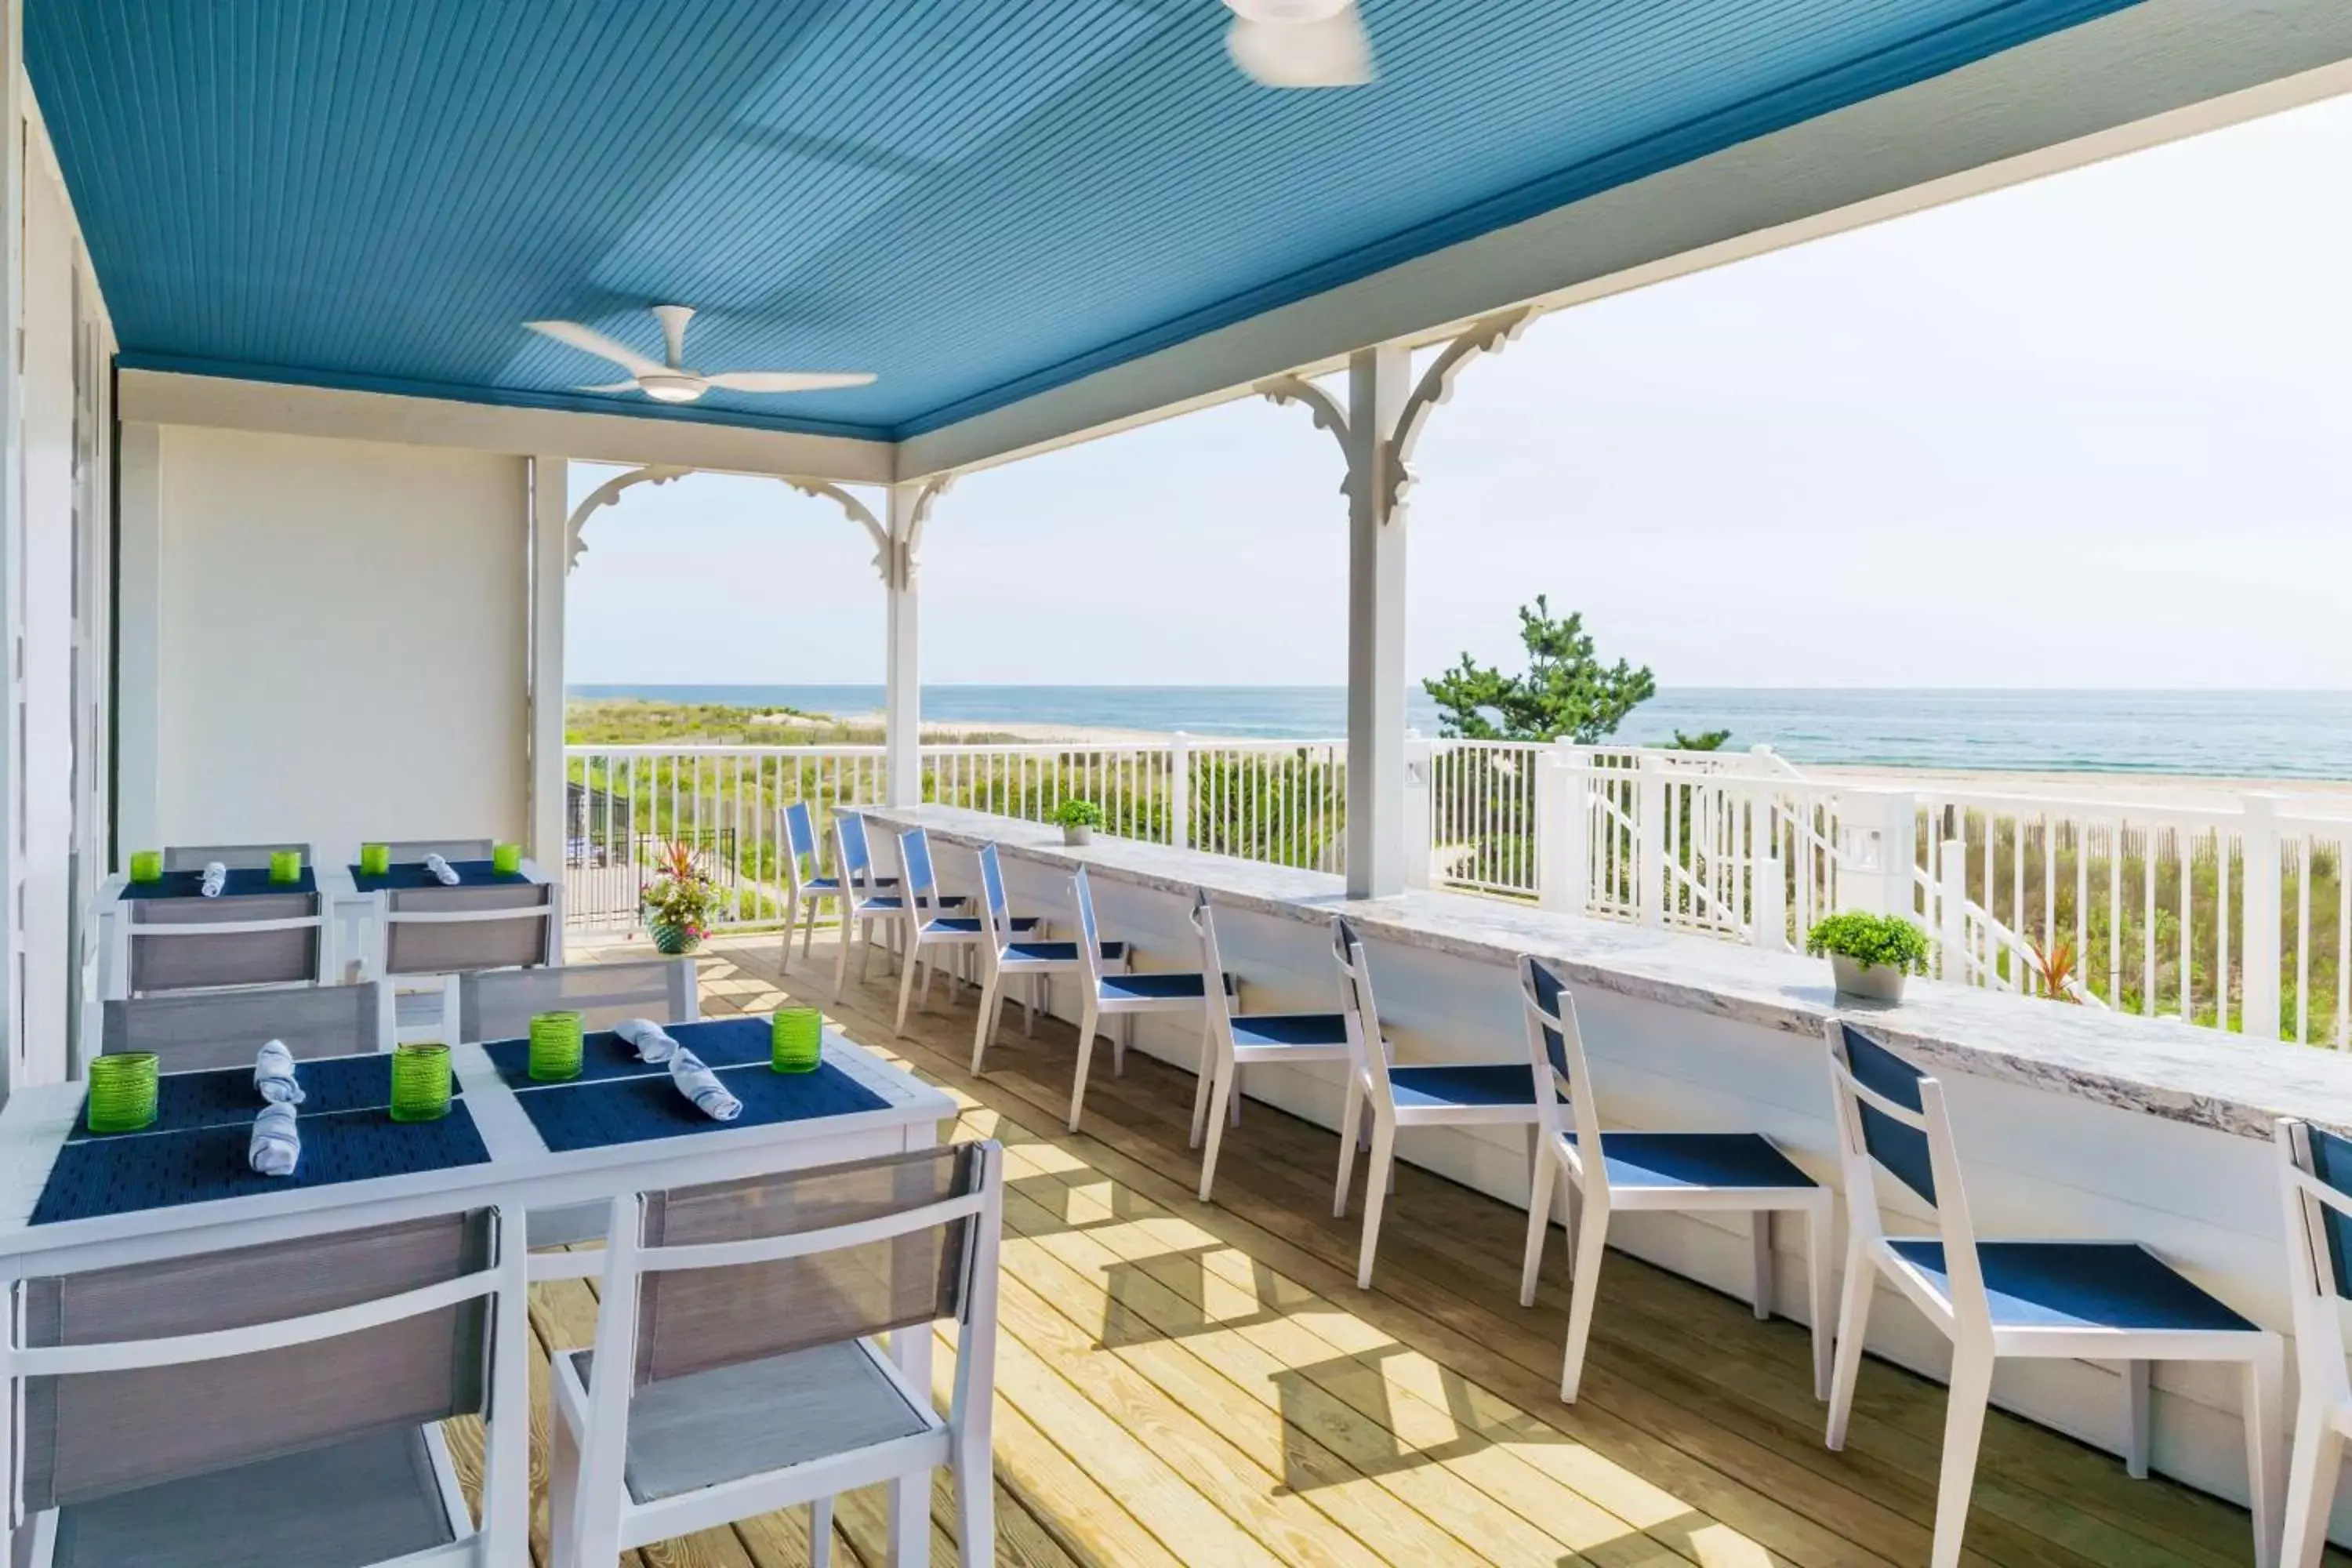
{"x": 1650, "y": 842}
{"x": 1378, "y": 381}
{"x": 551, "y": 562}
{"x": 901, "y": 680}
{"x": 2258, "y": 1005}
{"x": 138, "y": 650}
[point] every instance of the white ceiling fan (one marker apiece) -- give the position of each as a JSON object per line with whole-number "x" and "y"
{"x": 1300, "y": 43}
{"x": 674, "y": 382}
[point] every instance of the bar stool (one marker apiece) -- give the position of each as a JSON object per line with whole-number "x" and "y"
{"x": 1599, "y": 1174}
{"x": 928, "y": 924}
{"x": 1006, "y": 957}
{"x": 1238, "y": 1040}
{"x": 1446, "y": 1094}
{"x": 1122, "y": 996}
{"x": 2088, "y": 1301}
{"x": 2315, "y": 1178}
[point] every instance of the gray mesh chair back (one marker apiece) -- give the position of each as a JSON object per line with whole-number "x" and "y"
{"x": 466, "y": 929}
{"x": 97, "y": 1434}
{"x": 170, "y": 950}
{"x": 225, "y": 1028}
{"x": 406, "y": 851}
{"x": 235, "y": 857}
{"x": 499, "y": 1004}
{"x": 692, "y": 1320}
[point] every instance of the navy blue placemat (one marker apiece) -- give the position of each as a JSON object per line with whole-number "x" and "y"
{"x": 121, "y": 1175}
{"x": 215, "y": 1099}
{"x": 242, "y": 883}
{"x": 582, "y": 1115}
{"x": 604, "y": 1055}
{"x": 407, "y": 874}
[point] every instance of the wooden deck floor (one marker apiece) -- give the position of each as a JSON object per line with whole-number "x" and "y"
{"x": 1190, "y": 1384}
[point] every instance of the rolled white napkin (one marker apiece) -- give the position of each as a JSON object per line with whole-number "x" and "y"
{"x": 216, "y": 879}
{"x": 273, "y": 1075}
{"x": 441, "y": 871}
{"x": 276, "y": 1146}
{"x": 700, "y": 1084}
{"x": 646, "y": 1038}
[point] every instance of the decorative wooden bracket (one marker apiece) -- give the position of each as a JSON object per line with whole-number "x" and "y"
{"x": 1322, "y": 405}
{"x": 859, "y": 513}
{"x": 1489, "y": 334}
{"x": 894, "y": 559}
{"x": 606, "y": 494}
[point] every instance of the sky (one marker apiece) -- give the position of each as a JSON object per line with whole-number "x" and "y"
{"x": 2086, "y": 432}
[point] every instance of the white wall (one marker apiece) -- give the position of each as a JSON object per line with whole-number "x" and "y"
{"x": 340, "y": 649}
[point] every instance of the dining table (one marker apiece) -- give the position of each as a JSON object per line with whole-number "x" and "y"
{"x": 71, "y": 1201}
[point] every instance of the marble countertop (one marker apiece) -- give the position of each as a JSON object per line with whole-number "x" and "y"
{"x": 2158, "y": 1067}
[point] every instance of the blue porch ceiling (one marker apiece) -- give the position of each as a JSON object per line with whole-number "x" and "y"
{"x": 977, "y": 199}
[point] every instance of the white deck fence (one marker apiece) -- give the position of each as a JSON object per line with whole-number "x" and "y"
{"x": 2219, "y": 915}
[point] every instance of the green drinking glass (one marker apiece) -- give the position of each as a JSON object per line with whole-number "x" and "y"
{"x": 505, "y": 859}
{"x": 121, "y": 1091}
{"x": 797, "y": 1040}
{"x": 285, "y": 865}
{"x": 420, "y": 1081}
{"x": 375, "y": 860}
{"x": 147, "y": 865}
{"x": 556, "y": 1045}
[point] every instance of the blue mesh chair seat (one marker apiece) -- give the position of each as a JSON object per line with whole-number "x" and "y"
{"x": 1157, "y": 987}
{"x": 1462, "y": 1083}
{"x": 1278, "y": 1031}
{"x": 1061, "y": 952}
{"x": 2079, "y": 1285}
{"x": 969, "y": 925}
{"x": 1698, "y": 1159}
{"x": 832, "y": 884}
{"x": 2064, "y": 1299}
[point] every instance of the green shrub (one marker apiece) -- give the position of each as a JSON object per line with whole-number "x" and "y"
{"x": 1079, "y": 814}
{"x": 1888, "y": 940}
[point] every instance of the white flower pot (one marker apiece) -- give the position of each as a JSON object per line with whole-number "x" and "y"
{"x": 1074, "y": 836}
{"x": 1871, "y": 982}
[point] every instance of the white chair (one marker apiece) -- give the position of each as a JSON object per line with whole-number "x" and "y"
{"x": 1006, "y": 956}
{"x": 1237, "y": 1040}
{"x": 1679, "y": 1172}
{"x": 428, "y": 938}
{"x": 1450, "y": 1094}
{"x": 1122, "y": 995}
{"x": 805, "y": 884}
{"x": 928, "y": 925}
{"x": 278, "y": 1404}
{"x": 865, "y": 902}
{"x": 251, "y": 938}
{"x": 193, "y": 1031}
{"x": 2110, "y": 1301}
{"x": 2315, "y": 1178}
{"x": 235, "y": 857}
{"x": 734, "y": 1371}
{"x": 500, "y": 1003}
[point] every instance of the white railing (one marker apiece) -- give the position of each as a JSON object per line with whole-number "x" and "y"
{"x": 2217, "y": 915}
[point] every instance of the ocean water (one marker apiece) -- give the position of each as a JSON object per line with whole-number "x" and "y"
{"x": 2263, "y": 734}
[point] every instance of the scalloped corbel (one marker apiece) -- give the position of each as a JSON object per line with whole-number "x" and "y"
{"x": 606, "y": 494}
{"x": 911, "y": 548}
{"x": 1326, "y": 410}
{"x": 858, "y": 512}
{"x": 1489, "y": 334}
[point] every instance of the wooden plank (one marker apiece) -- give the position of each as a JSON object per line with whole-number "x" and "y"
{"x": 1232, "y": 1344}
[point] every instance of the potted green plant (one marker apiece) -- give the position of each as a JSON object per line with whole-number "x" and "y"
{"x": 1870, "y": 954}
{"x": 1079, "y": 820}
{"x": 681, "y": 901}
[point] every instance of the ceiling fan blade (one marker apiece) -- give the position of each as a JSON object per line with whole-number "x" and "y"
{"x": 590, "y": 341}
{"x": 1331, "y": 52}
{"x": 629, "y": 385}
{"x": 787, "y": 380}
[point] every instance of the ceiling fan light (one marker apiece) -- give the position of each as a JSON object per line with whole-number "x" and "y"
{"x": 1283, "y": 13}
{"x": 670, "y": 388}
{"x": 1332, "y": 52}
